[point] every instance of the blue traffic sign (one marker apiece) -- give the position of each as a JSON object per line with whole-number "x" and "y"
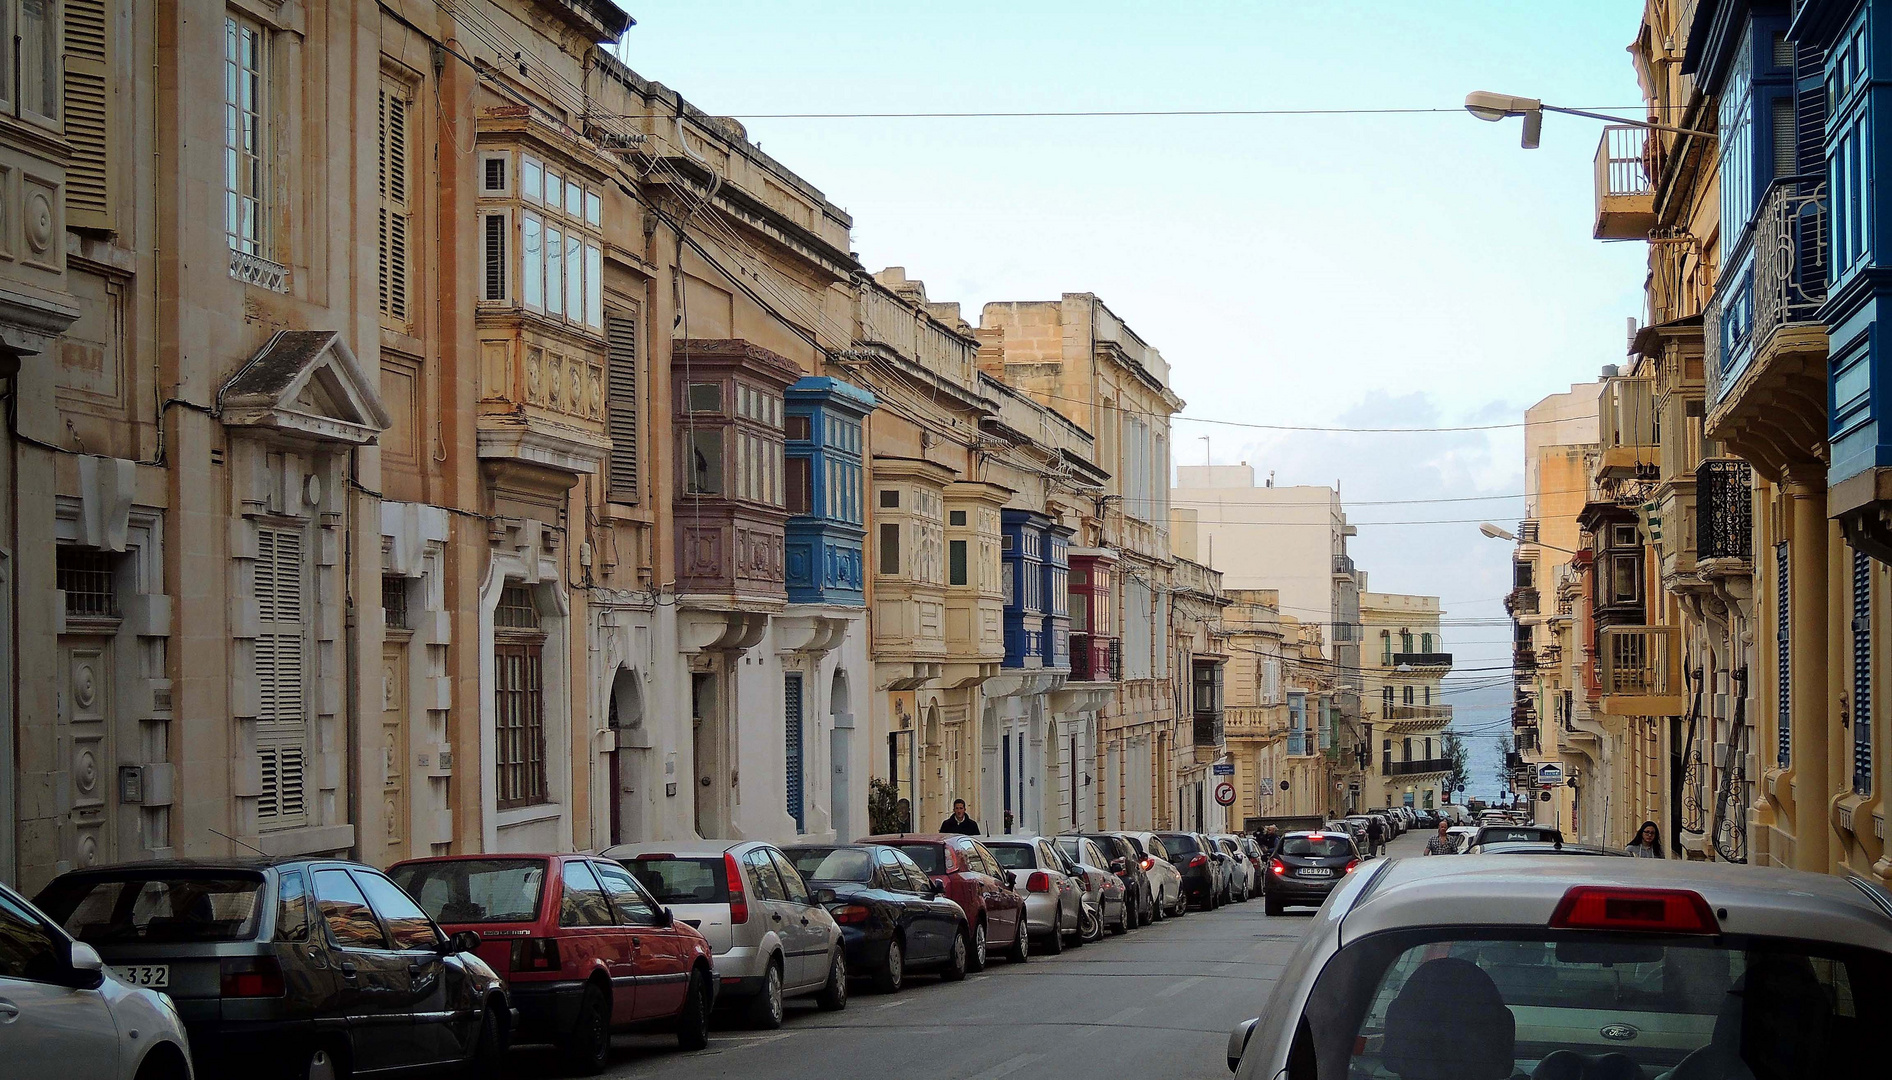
{"x": 1223, "y": 768}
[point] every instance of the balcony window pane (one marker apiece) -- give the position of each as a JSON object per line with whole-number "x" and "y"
{"x": 706, "y": 462}
{"x": 889, "y": 549}
{"x": 39, "y": 58}
{"x": 554, "y": 190}
{"x": 534, "y": 186}
{"x": 574, "y": 198}
{"x": 800, "y": 482}
{"x": 534, "y": 268}
{"x": 554, "y": 269}
{"x": 706, "y": 397}
{"x": 575, "y": 276}
{"x": 594, "y": 209}
{"x": 956, "y": 562}
{"x": 594, "y": 287}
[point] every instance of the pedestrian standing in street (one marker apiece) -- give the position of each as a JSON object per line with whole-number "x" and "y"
{"x": 1270, "y": 840}
{"x": 960, "y": 822}
{"x": 1375, "y": 835}
{"x": 1441, "y": 842}
{"x": 1648, "y": 842}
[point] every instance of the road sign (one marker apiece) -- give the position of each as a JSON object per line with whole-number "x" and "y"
{"x": 1223, "y": 768}
{"x": 1225, "y": 793}
{"x": 1550, "y": 774}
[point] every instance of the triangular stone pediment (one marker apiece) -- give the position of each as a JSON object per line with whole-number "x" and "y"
{"x": 306, "y": 383}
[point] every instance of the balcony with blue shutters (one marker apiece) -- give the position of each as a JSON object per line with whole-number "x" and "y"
{"x": 1057, "y": 594}
{"x": 1022, "y": 550}
{"x": 823, "y": 421}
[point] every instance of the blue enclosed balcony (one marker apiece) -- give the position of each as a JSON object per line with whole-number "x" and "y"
{"x": 1057, "y": 594}
{"x": 1022, "y": 543}
{"x": 823, "y": 420}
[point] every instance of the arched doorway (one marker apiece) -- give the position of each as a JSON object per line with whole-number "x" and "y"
{"x": 841, "y": 758}
{"x": 630, "y": 762}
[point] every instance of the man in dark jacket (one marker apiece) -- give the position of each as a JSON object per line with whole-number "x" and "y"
{"x": 960, "y": 822}
{"x": 1375, "y": 835}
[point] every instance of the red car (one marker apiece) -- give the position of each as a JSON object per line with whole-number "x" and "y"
{"x": 583, "y": 947}
{"x": 970, "y": 877}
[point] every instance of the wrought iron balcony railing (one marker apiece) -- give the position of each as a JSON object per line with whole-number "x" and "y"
{"x": 1418, "y": 767}
{"x": 1724, "y": 509}
{"x": 1096, "y": 659}
{"x": 1777, "y": 278}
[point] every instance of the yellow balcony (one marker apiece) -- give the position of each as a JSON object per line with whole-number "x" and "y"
{"x": 1640, "y": 671}
{"x": 1625, "y": 184}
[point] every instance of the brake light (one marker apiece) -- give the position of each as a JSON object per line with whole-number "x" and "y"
{"x": 250, "y": 977}
{"x": 1278, "y": 866}
{"x": 1148, "y": 861}
{"x": 738, "y": 899}
{"x": 850, "y": 914}
{"x": 1039, "y": 881}
{"x": 1200, "y": 860}
{"x": 1602, "y": 907}
{"x": 1352, "y": 864}
{"x": 535, "y": 954}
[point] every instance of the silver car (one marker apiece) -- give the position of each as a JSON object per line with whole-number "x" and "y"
{"x": 1486, "y": 967}
{"x": 771, "y": 935}
{"x": 1165, "y": 878}
{"x": 1103, "y": 890}
{"x": 1054, "y": 901}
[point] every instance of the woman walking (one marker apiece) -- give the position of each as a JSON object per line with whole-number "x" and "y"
{"x": 1648, "y": 842}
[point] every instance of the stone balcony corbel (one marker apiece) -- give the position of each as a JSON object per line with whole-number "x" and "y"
{"x": 813, "y": 636}
{"x": 719, "y": 631}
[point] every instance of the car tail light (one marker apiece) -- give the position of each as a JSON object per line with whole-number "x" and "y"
{"x": 1352, "y": 865}
{"x": 1148, "y": 862}
{"x": 1278, "y": 866}
{"x": 251, "y": 977}
{"x": 1039, "y": 881}
{"x": 1200, "y": 860}
{"x": 851, "y": 914}
{"x": 738, "y": 900}
{"x": 535, "y": 954}
{"x": 1603, "y": 907}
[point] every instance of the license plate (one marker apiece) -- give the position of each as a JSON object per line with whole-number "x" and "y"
{"x": 1316, "y": 871}
{"x": 153, "y": 976}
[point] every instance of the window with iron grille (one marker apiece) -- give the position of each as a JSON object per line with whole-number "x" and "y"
{"x": 394, "y": 603}
{"x": 792, "y": 732}
{"x": 1862, "y": 673}
{"x": 1783, "y": 641}
{"x": 519, "y": 699}
{"x": 517, "y": 610}
{"x": 85, "y": 576}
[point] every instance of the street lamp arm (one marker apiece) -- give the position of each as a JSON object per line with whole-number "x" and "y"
{"x": 1651, "y": 125}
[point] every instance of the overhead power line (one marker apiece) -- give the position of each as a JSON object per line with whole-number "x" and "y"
{"x": 1030, "y": 114}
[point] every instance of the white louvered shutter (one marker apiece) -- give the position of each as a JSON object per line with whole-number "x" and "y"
{"x": 395, "y": 214}
{"x": 281, "y": 724}
{"x": 621, "y": 414}
{"x": 87, "y": 67}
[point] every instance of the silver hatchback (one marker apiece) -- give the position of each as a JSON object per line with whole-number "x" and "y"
{"x": 770, "y": 933}
{"x": 1486, "y": 967}
{"x": 1054, "y": 901}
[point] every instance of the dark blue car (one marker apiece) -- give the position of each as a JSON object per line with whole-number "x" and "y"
{"x": 893, "y": 918}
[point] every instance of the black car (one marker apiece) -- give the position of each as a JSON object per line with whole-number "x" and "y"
{"x": 893, "y": 918}
{"x": 290, "y": 966}
{"x": 1541, "y": 847}
{"x": 1126, "y": 861}
{"x": 1199, "y": 864}
{"x": 1517, "y": 834}
{"x": 1306, "y": 867}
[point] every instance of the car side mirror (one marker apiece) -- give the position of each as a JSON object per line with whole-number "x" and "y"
{"x": 1238, "y": 1041}
{"x": 1118, "y": 866}
{"x": 85, "y": 970}
{"x": 824, "y": 896}
{"x": 939, "y": 887}
{"x": 464, "y": 941}
{"x": 666, "y": 918}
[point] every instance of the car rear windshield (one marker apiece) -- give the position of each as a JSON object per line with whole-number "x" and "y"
{"x": 1181, "y": 844}
{"x": 1013, "y": 856}
{"x": 832, "y": 864}
{"x": 157, "y": 907}
{"x": 682, "y": 879}
{"x": 1317, "y": 847}
{"x": 475, "y": 890}
{"x": 930, "y": 857}
{"x": 1502, "y": 834}
{"x": 1461, "y": 1003}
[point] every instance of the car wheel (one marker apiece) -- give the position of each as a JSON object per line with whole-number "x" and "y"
{"x": 1055, "y": 943}
{"x": 490, "y": 1048}
{"x": 1128, "y": 922}
{"x": 164, "y": 1062}
{"x": 975, "y": 956}
{"x": 1272, "y": 903}
{"x": 765, "y": 1011}
{"x": 1021, "y": 943}
{"x": 587, "y": 1050}
{"x": 955, "y": 968}
{"x": 321, "y": 1063}
{"x": 693, "y": 1022}
{"x": 892, "y": 974}
{"x": 833, "y": 996}
{"x": 1157, "y": 912}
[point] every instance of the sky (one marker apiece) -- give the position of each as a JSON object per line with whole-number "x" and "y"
{"x": 1412, "y": 270}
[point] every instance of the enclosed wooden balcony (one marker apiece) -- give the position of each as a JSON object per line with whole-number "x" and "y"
{"x": 1639, "y": 670}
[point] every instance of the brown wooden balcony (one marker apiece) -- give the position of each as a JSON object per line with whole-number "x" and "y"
{"x": 1625, "y": 183}
{"x": 1639, "y": 671}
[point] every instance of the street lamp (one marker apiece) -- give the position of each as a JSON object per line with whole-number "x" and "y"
{"x": 1486, "y": 105}
{"x": 1497, "y": 533}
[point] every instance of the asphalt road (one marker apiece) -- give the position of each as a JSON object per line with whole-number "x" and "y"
{"x": 1157, "y": 1002}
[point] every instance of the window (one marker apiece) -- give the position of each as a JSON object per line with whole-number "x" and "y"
{"x": 28, "y": 950}
{"x": 1425, "y": 643}
{"x": 532, "y": 285}
{"x": 245, "y": 132}
{"x": 85, "y": 576}
{"x": 88, "y": 90}
{"x": 956, "y": 562}
{"x": 1623, "y": 536}
{"x": 395, "y": 213}
{"x": 1406, "y": 695}
{"x": 496, "y": 173}
{"x": 1523, "y": 574}
{"x": 889, "y": 548}
{"x": 621, "y": 408}
{"x": 493, "y": 256}
{"x": 292, "y": 908}
{"x": 890, "y": 499}
{"x": 1624, "y": 571}
{"x": 795, "y": 888}
{"x": 1386, "y": 696}
{"x": 632, "y": 906}
{"x": 394, "y": 602}
{"x": 768, "y": 881}
{"x": 407, "y": 924}
{"x": 582, "y": 903}
{"x": 519, "y": 699}
{"x": 350, "y": 920}
{"x": 1738, "y": 192}
{"x": 277, "y": 662}
{"x": 706, "y": 462}
{"x": 1386, "y": 648}
{"x": 800, "y": 479}
{"x": 704, "y": 397}
{"x": 1428, "y": 695}
{"x": 1405, "y": 641}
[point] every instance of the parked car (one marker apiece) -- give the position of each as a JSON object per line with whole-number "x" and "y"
{"x": 973, "y": 879}
{"x": 1581, "y": 967}
{"x": 1461, "y": 836}
{"x": 1135, "y": 870}
{"x": 1511, "y": 834}
{"x": 585, "y": 949}
{"x": 1104, "y": 894}
{"x": 1166, "y": 882}
{"x": 294, "y": 965}
{"x": 1538, "y": 847}
{"x": 893, "y": 918}
{"x": 1257, "y": 860}
{"x": 1306, "y": 868}
{"x": 1201, "y": 871}
{"x": 1359, "y": 826}
{"x": 1238, "y": 875}
{"x": 771, "y": 938}
{"x": 1054, "y": 900}
{"x": 65, "y": 1015}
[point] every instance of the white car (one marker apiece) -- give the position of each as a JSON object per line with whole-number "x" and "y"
{"x": 62, "y": 1014}
{"x": 1462, "y": 836}
{"x": 1165, "y": 878}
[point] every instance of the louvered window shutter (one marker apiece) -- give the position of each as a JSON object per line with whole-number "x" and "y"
{"x": 495, "y": 256}
{"x": 87, "y": 67}
{"x": 792, "y": 741}
{"x": 1783, "y": 645}
{"x": 281, "y": 726}
{"x": 621, "y": 353}
{"x": 395, "y": 214}
{"x": 1862, "y": 673}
